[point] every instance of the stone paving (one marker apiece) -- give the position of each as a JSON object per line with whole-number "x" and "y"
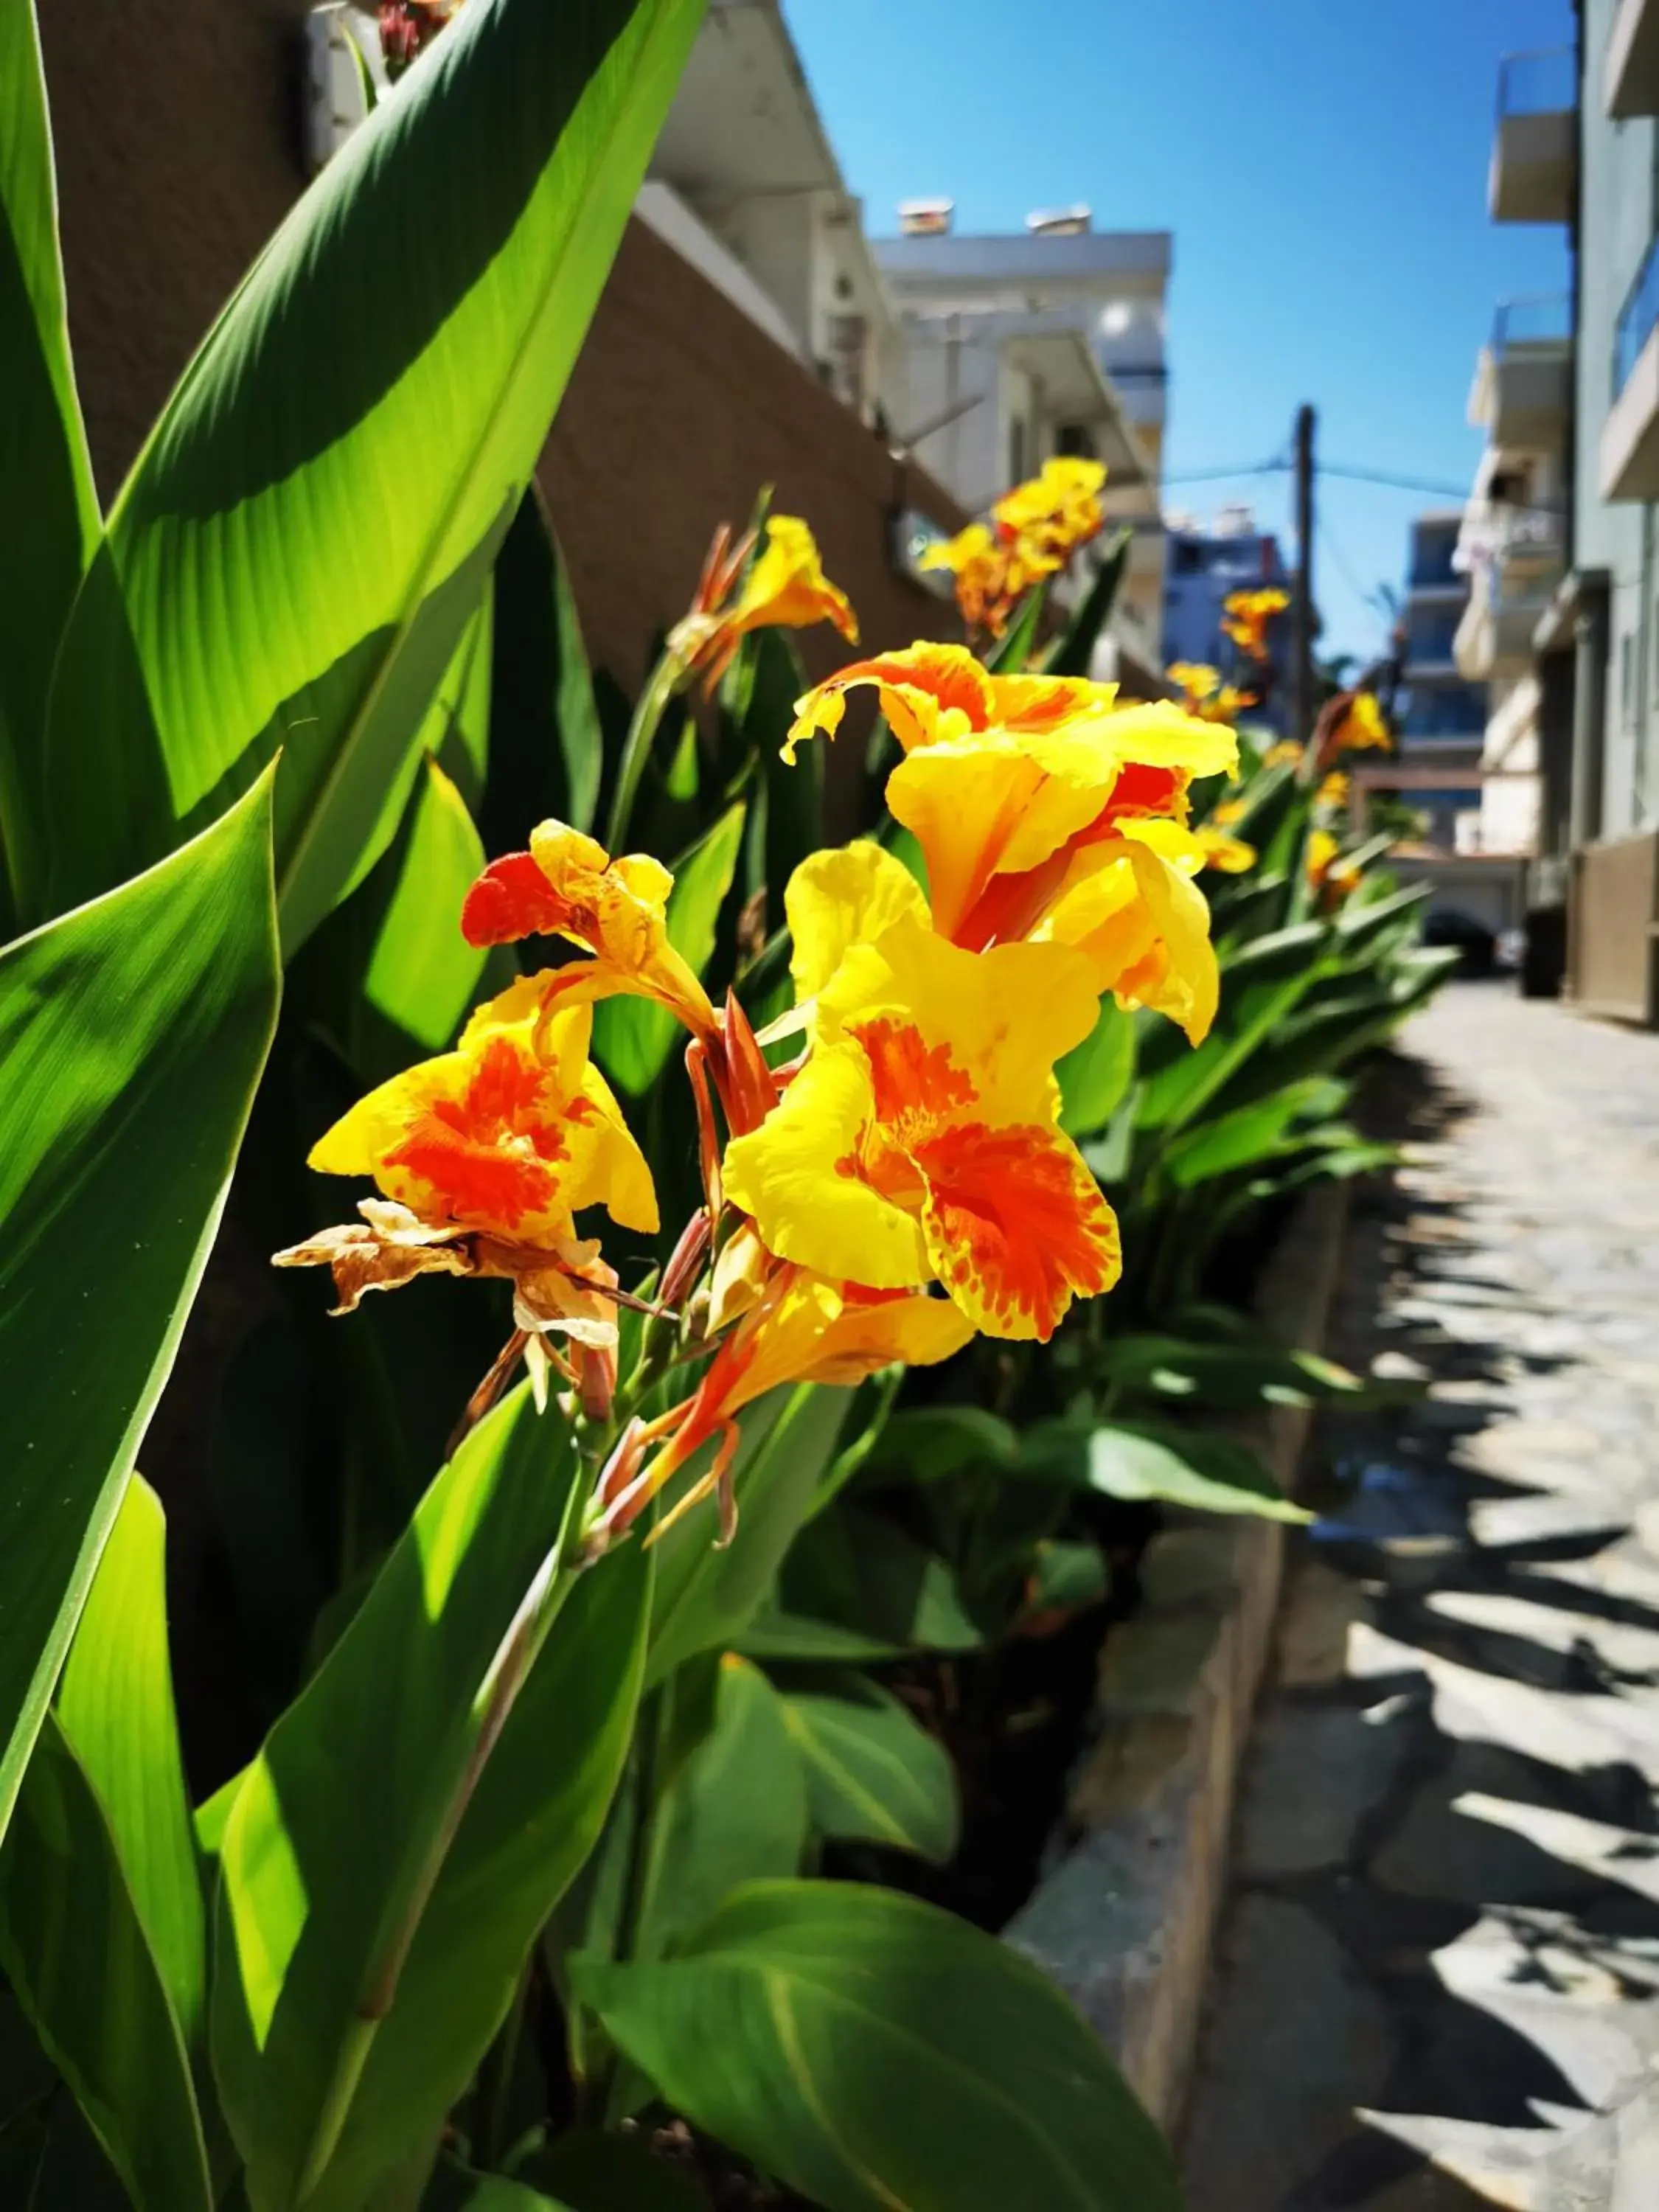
{"x": 1438, "y": 1979}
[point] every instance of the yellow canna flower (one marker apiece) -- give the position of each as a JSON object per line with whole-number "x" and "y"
{"x": 786, "y": 588}
{"x": 1328, "y": 873}
{"x": 1017, "y": 788}
{"x": 993, "y": 575}
{"x": 1247, "y": 615}
{"x": 568, "y": 885}
{"x": 1057, "y": 510}
{"x": 512, "y": 1133}
{"x": 1203, "y": 694}
{"x": 1352, "y": 722}
{"x": 1288, "y": 753}
{"x": 1227, "y": 855}
{"x": 1229, "y": 810}
{"x": 1333, "y": 790}
{"x": 918, "y": 1141}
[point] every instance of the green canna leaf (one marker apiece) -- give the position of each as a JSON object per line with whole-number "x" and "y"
{"x": 132, "y": 1033}
{"x": 309, "y": 529}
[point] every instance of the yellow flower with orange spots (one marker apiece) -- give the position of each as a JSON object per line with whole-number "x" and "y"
{"x": 1203, "y": 694}
{"x": 918, "y": 1142}
{"x": 1056, "y": 511}
{"x": 1248, "y": 615}
{"x": 785, "y": 588}
{"x": 1226, "y": 854}
{"x": 1024, "y": 793}
{"x": 568, "y": 885}
{"x": 1329, "y": 875}
{"x": 1358, "y": 724}
{"x": 992, "y": 575}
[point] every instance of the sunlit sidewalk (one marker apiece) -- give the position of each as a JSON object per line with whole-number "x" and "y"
{"x": 1438, "y": 1983}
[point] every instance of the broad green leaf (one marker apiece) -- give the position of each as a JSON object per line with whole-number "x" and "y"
{"x": 1094, "y": 1076}
{"x": 704, "y": 1598}
{"x": 115, "y": 1708}
{"x": 1149, "y": 1460}
{"x": 1068, "y": 1574}
{"x": 546, "y": 745}
{"x": 921, "y": 1442}
{"x": 49, "y": 520}
{"x": 132, "y": 1033}
{"x": 873, "y": 2051}
{"x": 874, "y": 1773}
{"x": 736, "y": 1812}
{"x": 1012, "y": 653}
{"x": 368, "y": 1936}
{"x": 1240, "y": 1138}
{"x": 422, "y": 974}
{"x": 309, "y": 528}
{"x": 795, "y": 1636}
{"x": 76, "y": 1958}
{"x": 634, "y": 1037}
{"x": 1072, "y": 653}
{"x": 862, "y": 1572}
{"x": 1230, "y": 1378}
{"x": 1260, "y": 987}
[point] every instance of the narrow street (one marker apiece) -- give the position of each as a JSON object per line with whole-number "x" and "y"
{"x": 1437, "y": 1982}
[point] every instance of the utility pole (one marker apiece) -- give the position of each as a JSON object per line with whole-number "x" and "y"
{"x": 1302, "y": 673}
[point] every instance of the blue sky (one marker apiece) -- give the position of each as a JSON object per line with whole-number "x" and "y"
{"x": 1322, "y": 165}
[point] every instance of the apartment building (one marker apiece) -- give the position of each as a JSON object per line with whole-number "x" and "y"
{"x": 1203, "y": 565}
{"x": 1511, "y": 549}
{"x": 1024, "y": 345}
{"x": 1577, "y": 144}
{"x": 1441, "y": 710}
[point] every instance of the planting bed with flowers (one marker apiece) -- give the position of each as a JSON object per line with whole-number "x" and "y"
{"x": 634, "y": 1640}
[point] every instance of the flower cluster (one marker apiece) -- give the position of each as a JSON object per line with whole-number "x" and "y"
{"x": 1033, "y": 532}
{"x": 1248, "y": 615}
{"x": 884, "y": 1170}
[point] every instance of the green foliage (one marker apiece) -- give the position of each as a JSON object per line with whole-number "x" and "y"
{"x": 200, "y": 645}
{"x": 132, "y": 1033}
{"x": 872, "y": 2050}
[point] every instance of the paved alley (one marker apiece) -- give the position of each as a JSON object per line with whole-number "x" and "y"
{"x": 1438, "y": 1980}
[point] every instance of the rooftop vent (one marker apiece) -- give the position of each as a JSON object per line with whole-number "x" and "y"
{"x": 1060, "y": 222}
{"x": 926, "y": 218}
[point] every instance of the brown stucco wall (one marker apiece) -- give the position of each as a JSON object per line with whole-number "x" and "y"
{"x": 680, "y": 410}
{"x": 177, "y": 130}
{"x": 177, "y": 126}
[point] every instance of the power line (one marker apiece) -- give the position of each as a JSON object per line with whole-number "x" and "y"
{"x": 1216, "y": 476}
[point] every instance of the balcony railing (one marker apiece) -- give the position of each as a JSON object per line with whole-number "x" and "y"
{"x": 1539, "y": 319}
{"x": 1544, "y": 82}
{"x": 1637, "y": 318}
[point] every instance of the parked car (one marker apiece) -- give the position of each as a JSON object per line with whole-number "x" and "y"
{"x": 1476, "y": 943}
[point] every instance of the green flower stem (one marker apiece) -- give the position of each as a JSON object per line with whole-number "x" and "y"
{"x": 649, "y": 709}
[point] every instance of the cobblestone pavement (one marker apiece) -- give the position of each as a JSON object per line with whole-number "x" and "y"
{"x": 1438, "y": 1981}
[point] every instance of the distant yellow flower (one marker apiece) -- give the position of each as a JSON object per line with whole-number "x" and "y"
{"x": 568, "y": 885}
{"x": 1034, "y": 531}
{"x": 1333, "y": 790}
{"x": 1229, "y": 856}
{"x": 1362, "y": 726}
{"x": 1203, "y": 694}
{"x": 1057, "y": 510}
{"x": 1331, "y": 876}
{"x": 1288, "y": 753}
{"x": 786, "y": 588}
{"x": 1247, "y": 618}
{"x": 1229, "y": 810}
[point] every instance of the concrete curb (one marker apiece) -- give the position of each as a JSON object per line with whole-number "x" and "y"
{"x": 1124, "y": 1923}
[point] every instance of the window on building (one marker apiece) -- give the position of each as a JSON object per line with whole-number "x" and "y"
{"x": 1073, "y": 442}
{"x": 1016, "y": 450}
{"x": 1186, "y": 559}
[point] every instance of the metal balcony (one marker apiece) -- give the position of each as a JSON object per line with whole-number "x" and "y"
{"x": 1535, "y": 160}
{"x": 1522, "y": 392}
{"x": 1630, "y": 69}
{"x": 1630, "y": 436}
